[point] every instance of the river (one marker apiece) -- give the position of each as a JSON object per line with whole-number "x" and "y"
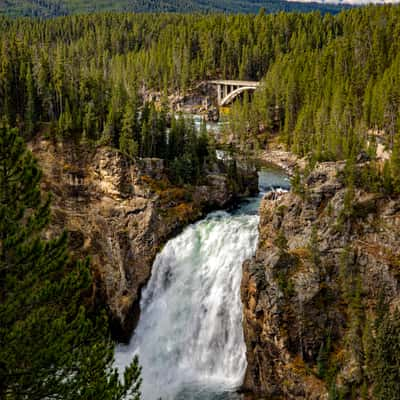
{"x": 189, "y": 338}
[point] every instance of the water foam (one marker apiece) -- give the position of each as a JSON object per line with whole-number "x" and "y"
{"x": 190, "y": 330}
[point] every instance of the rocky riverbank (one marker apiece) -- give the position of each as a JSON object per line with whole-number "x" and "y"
{"x": 121, "y": 213}
{"x": 311, "y": 292}
{"x": 283, "y": 159}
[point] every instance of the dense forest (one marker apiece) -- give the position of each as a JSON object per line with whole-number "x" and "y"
{"x": 89, "y": 66}
{"x": 335, "y": 92}
{"x": 330, "y": 84}
{"x": 330, "y": 88}
{"x": 52, "y": 8}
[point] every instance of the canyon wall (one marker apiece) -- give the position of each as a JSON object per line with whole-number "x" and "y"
{"x": 120, "y": 213}
{"x": 311, "y": 292}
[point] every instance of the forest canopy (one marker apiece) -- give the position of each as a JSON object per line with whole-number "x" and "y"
{"x": 330, "y": 84}
{"x": 321, "y": 73}
{"x": 330, "y": 90}
{"x": 53, "y": 8}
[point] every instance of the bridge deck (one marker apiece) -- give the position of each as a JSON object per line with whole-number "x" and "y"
{"x": 236, "y": 83}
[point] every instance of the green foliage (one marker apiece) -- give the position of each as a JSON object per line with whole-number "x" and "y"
{"x": 313, "y": 247}
{"x": 187, "y": 151}
{"x": 296, "y": 184}
{"x": 80, "y": 72}
{"x": 386, "y": 355}
{"x": 387, "y": 181}
{"x": 330, "y": 88}
{"x": 285, "y": 284}
{"x": 128, "y": 140}
{"x": 347, "y": 213}
{"x": 47, "y": 8}
{"x": 50, "y": 345}
{"x": 281, "y": 241}
{"x": 328, "y": 82}
{"x": 236, "y": 178}
{"x": 395, "y": 164}
{"x": 333, "y": 393}
{"x": 323, "y": 358}
{"x": 335, "y": 88}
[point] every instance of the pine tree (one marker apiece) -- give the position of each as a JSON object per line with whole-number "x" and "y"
{"x": 65, "y": 122}
{"x": 89, "y": 122}
{"x": 146, "y": 140}
{"x": 297, "y": 186}
{"x": 50, "y": 345}
{"x": 323, "y": 357}
{"x": 127, "y": 143}
{"x": 395, "y": 164}
{"x": 313, "y": 248}
{"x": 161, "y": 129}
{"x": 202, "y": 144}
{"x": 387, "y": 180}
{"x": 30, "y": 114}
{"x": 386, "y": 355}
{"x": 281, "y": 241}
{"x": 173, "y": 140}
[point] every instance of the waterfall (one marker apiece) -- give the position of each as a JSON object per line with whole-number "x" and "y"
{"x": 189, "y": 338}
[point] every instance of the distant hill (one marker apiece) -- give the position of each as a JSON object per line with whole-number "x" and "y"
{"x": 352, "y": 2}
{"x": 51, "y": 8}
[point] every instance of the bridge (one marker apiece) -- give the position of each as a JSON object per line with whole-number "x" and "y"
{"x": 228, "y": 90}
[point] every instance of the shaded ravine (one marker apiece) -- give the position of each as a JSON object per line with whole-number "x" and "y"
{"x": 189, "y": 338}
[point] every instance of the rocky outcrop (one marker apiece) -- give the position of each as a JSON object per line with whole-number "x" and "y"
{"x": 283, "y": 159}
{"x": 120, "y": 214}
{"x": 277, "y": 155}
{"x": 324, "y": 258}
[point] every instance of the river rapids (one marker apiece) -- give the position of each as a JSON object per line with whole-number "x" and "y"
{"x": 190, "y": 338}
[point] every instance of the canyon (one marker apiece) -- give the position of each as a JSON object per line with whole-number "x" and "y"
{"x": 294, "y": 291}
{"x": 121, "y": 213}
{"x": 316, "y": 281}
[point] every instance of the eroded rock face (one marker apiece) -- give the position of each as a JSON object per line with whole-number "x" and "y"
{"x": 299, "y": 297}
{"x": 120, "y": 214}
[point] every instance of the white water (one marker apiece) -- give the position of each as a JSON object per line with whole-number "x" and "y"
{"x": 189, "y": 338}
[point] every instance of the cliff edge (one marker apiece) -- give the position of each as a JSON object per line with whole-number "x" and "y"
{"x": 120, "y": 213}
{"x": 326, "y": 258}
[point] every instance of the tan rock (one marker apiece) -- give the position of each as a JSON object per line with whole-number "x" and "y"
{"x": 291, "y": 305}
{"x": 120, "y": 214}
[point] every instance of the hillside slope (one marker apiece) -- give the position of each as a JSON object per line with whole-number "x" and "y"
{"x": 51, "y": 8}
{"x": 353, "y": 2}
{"x": 321, "y": 293}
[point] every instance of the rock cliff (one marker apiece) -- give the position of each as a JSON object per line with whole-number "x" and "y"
{"x": 325, "y": 257}
{"x": 120, "y": 214}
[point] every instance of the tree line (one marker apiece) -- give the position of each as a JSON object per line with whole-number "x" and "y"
{"x": 53, "y": 8}
{"x": 82, "y": 77}
{"x": 330, "y": 88}
{"x": 336, "y": 96}
{"x": 89, "y": 66}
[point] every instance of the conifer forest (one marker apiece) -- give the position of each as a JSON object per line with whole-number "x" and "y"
{"x": 118, "y": 205}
